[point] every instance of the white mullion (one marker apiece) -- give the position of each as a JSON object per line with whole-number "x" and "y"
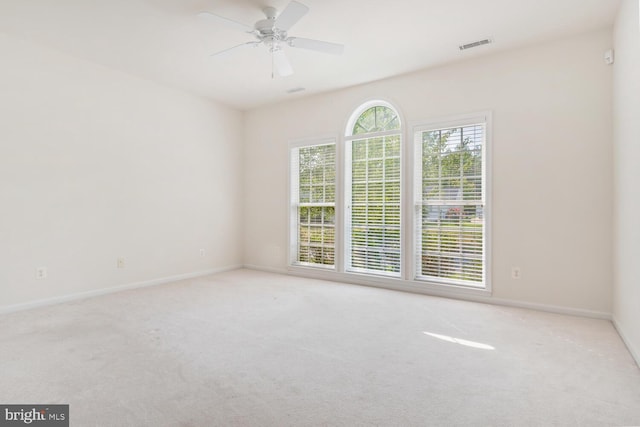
{"x": 372, "y": 135}
{"x": 319, "y": 204}
{"x": 294, "y": 206}
{"x": 383, "y": 228}
{"x": 417, "y": 203}
{"x": 461, "y": 176}
{"x": 366, "y": 208}
{"x": 348, "y": 198}
{"x": 439, "y": 230}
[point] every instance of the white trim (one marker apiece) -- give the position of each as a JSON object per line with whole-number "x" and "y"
{"x": 291, "y": 250}
{"x": 633, "y": 351}
{"x": 464, "y": 294}
{"x": 558, "y": 309}
{"x": 371, "y": 135}
{"x": 110, "y": 290}
{"x": 406, "y": 281}
{"x": 345, "y": 183}
{"x": 364, "y": 106}
{"x": 345, "y": 202}
{"x": 456, "y": 120}
{"x": 488, "y": 198}
{"x": 292, "y": 234}
{"x": 387, "y": 281}
{"x": 267, "y": 269}
{"x": 349, "y": 121}
{"x": 412, "y": 155}
{"x": 459, "y": 120}
{"x": 325, "y": 139}
{"x": 340, "y": 210}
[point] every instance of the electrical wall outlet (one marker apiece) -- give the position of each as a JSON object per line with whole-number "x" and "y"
{"x": 515, "y": 273}
{"x": 202, "y": 252}
{"x": 41, "y": 273}
{"x": 120, "y": 262}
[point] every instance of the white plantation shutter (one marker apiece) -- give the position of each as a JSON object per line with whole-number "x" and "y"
{"x": 313, "y": 192}
{"x": 450, "y": 203}
{"x": 373, "y": 193}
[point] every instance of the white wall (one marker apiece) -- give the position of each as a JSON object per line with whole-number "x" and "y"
{"x": 552, "y": 175}
{"x": 626, "y": 93}
{"x": 96, "y": 164}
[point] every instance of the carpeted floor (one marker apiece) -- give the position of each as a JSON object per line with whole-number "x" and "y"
{"x": 246, "y": 348}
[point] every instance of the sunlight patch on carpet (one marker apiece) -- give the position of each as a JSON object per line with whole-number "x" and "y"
{"x": 461, "y": 341}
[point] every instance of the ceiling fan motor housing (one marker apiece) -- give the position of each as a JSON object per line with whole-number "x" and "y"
{"x": 265, "y": 26}
{"x": 267, "y": 32}
{"x": 270, "y": 12}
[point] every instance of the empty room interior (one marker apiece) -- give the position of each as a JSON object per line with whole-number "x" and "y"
{"x": 275, "y": 212}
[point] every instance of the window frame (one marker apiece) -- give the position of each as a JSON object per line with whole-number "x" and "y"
{"x": 446, "y": 122}
{"x": 408, "y": 265}
{"x": 293, "y": 205}
{"x": 348, "y": 139}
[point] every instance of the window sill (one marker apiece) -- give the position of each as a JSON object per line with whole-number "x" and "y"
{"x": 388, "y": 282}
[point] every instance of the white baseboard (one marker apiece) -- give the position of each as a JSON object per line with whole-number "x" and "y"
{"x": 552, "y": 308}
{"x": 398, "y": 285}
{"x": 113, "y": 289}
{"x": 453, "y": 295}
{"x": 266, "y": 269}
{"x": 633, "y": 351}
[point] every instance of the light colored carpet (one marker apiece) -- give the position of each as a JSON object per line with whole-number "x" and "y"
{"x": 246, "y": 348}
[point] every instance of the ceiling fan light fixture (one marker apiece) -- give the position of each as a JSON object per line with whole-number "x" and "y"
{"x": 272, "y": 32}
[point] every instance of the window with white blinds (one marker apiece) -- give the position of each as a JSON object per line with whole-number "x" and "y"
{"x": 373, "y": 190}
{"x": 313, "y": 193}
{"x": 439, "y": 185}
{"x": 450, "y": 203}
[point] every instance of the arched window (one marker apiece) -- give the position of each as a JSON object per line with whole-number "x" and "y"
{"x": 378, "y": 118}
{"x": 347, "y": 201}
{"x": 373, "y": 190}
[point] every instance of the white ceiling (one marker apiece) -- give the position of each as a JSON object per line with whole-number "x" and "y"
{"x": 164, "y": 41}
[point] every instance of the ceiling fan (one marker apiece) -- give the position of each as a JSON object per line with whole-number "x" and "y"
{"x": 272, "y": 33}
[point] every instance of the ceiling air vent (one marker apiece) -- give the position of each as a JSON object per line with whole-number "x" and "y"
{"x": 475, "y": 44}
{"x": 295, "y": 89}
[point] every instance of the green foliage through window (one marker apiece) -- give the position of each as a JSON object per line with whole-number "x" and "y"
{"x": 452, "y": 214}
{"x": 376, "y": 119}
{"x": 375, "y": 193}
{"x": 316, "y": 204}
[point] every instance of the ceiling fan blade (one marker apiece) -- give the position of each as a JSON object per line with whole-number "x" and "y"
{"x": 317, "y": 45}
{"x": 290, "y": 15}
{"x": 212, "y": 17}
{"x": 282, "y": 63}
{"x": 235, "y": 48}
